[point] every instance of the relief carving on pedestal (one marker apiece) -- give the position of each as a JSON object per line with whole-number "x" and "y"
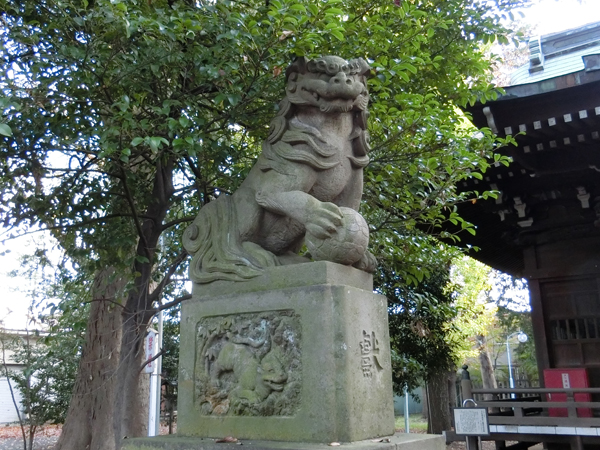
{"x": 248, "y": 364}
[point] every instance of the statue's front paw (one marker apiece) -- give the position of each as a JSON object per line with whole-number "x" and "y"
{"x": 367, "y": 263}
{"x": 323, "y": 220}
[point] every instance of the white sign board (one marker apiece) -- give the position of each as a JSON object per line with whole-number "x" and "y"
{"x": 471, "y": 421}
{"x": 150, "y": 350}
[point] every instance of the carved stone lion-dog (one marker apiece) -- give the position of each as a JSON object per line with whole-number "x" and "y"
{"x": 311, "y": 165}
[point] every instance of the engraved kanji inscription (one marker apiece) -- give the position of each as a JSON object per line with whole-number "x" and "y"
{"x": 369, "y": 352}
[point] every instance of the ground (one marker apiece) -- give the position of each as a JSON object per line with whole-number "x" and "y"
{"x": 11, "y": 436}
{"x": 419, "y": 425}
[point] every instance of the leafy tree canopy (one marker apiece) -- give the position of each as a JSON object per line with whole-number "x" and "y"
{"x": 98, "y": 94}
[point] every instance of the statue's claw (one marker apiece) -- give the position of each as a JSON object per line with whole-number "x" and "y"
{"x": 367, "y": 263}
{"x": 324, "y": 220}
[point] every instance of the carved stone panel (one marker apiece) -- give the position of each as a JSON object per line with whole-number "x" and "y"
{"x": 248, "y": 364}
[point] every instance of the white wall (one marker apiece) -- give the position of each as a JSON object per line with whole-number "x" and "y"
{"x": 7, "y": 408}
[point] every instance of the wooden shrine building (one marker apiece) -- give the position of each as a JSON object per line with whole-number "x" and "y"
{"x": 545, "y": 225}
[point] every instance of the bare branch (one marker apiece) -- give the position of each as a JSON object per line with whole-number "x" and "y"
{"x": 107, "y": 300}
{"x": 175, "y": 302}
{"x": 167, "y": 278}
{"x": 158, "y": 355}
{"x": 177, "y": 222}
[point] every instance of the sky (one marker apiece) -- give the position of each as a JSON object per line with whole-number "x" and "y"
{"x": 546, "y": 16}
{"x": 551, "y": 16}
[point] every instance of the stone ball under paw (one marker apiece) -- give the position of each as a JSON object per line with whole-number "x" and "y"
{"x": 347, "y": 245}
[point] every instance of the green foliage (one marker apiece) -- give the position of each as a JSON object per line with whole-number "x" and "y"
{"x": 524, "y": 356}
{"x": 494, "y": 305}
{"x": 119, "y": 87}
{"x": 50, "y": 357}
{"x": 419, "y": 319}
{"x": 48, "y": 376}
{"x": 477, "y": 312}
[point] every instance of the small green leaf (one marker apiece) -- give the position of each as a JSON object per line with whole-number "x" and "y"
{"x": 298, "y": 7}
{"x": 219, "y": 98}
{"x": 234, "y": 99}
{"x": 137, "y": 141}
{"x": 142, "y": 259}
{"x": 338, "y": 34}
{"x": 5, "y": 130}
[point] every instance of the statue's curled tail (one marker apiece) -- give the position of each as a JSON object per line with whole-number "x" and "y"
{"x": 220, "y": 255}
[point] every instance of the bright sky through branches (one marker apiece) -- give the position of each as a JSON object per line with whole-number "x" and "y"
{"x": 551, "y": 16}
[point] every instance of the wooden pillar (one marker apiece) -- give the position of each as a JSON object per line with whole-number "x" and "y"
{"x": 537, "y": 312}
{"x": 577, "y": 443}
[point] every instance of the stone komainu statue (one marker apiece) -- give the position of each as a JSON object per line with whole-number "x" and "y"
{"x": 305, "y": 186}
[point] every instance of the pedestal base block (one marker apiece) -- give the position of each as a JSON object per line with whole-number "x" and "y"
{"x": 399, "y": 441}
{"x": 300, "y": 354}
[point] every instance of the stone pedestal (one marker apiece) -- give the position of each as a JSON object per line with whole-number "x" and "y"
{"x": 300, "y": 354}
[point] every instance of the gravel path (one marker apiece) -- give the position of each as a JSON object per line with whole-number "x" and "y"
{"x": 11, "y": 437}
{"x": 10, "y": 440}
{"x": 47, "y": 443}
{"x": 40, "y": 443}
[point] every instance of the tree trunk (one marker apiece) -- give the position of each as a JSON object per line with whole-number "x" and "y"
{"x": 452, "y": 391}
{"x": 439, "y": 403}
{"x": 132, "y": 399}
{"x": 488, "y": 378}
{"x": 109, "y": 402}
{"x": 139, "y": 312}
{"x": 88, "y": 424}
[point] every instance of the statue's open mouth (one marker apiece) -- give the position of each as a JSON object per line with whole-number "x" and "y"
{"x": 275, "y": 385}
{"x": 336, "y": 105}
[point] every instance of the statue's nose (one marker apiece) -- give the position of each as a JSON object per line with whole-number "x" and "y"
{"x": 341, "y": 78}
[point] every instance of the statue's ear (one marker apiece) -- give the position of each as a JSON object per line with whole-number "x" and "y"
{"x": 363, "y": 67}
{"x": 299, "y": 65}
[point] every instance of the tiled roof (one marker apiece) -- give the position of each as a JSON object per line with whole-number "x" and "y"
{"x": 559, "y": 54}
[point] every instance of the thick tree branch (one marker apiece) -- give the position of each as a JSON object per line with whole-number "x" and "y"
{"x": 138, "y": 226}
